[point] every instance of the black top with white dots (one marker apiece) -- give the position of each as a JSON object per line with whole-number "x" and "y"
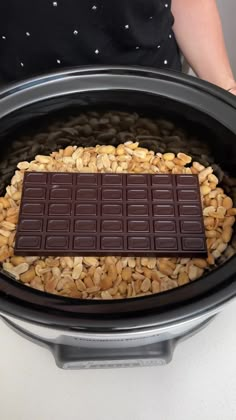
{"x": 40, "y": 36}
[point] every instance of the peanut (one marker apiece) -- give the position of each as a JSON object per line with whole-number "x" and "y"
{"x": 122, "y": 287}
{"x": 200, "y": 263}
{"x": 131, "y": 262}
{"x": 77, "y": 270}
{"x": 90, "y": 261}
{"x": 43, "y": 159}
{"x": 68, "y": 151}
{"x": 209, "y": 222}
{"x": 36, "y": 283}
{"x": 93, "y": 289}
{"x": 8, "y": 226}
{"x": 146, "y": 284}
{"x": 227, "y": 234}
{"x": 56, "y": 272}
{"x": 3, "y": 240}
{"x": 28, "y": 276}
{"x": 126, "y": 274}
{"x": 11, "y": 238}
{"x": 205, "y": 190}
{"x": 50, "y": 283}
{"x": 97, "y": 276}
{"x": 194, "y": 272}
{"x": 212, "y": 178}
{"x": 155, "y": 276}
{"x": 165, "y": 268}
{"x": 16, "y": 196}
{"x": 211, "y": 233}
{"x": 120, "y": 150}
{"x": 21, "y": 268}
{"x": 183, "y": 279}
{"x": 138, "y": 276}
{"x": 204, "y": 174}
{"x": 231, "y": 212}
{"x": 210, "y": 259}
{"x": 151, "y": 263}
{"x": 144, "y": 261}
{"x": 216, "y": 254}
{"x": 5, "y": 233}
{"x": 80, "y": 285}
{"x": 179, "y": 164}
{"x": 17, "y": 260}
{"x": 185, "y": 158}
{"x": 222, "y": 247}
{"x": 77, "y": 153}
{"x": 112, "y": 272}
{"x": 88, "y": 282}
{"x": 147, "y": 272}
{"x": 229, "y": 221}
{"x": 23, "y": 166}
{"x": 5, "y": 202}
{"x": 106, "y": 150}
{"x": 155, "y": 286}
{"x": 106, "y": 282}
{"x": 198, "y": 166}
{"x": 119, "y": 267}
{"x": 227, "y": 203}
{"x": 140, "y": 152}
{"x": 169, "y": 156}
{"x": 208, "y": 210}
{"x": 106, "y": 295}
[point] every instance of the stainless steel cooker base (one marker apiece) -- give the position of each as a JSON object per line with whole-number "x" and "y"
{"x": 82, "y": 357}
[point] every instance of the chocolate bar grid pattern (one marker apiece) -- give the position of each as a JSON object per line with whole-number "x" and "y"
{"x": 110, "y": 214}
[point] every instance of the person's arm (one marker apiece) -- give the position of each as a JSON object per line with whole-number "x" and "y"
{"x": 199, "y": 34}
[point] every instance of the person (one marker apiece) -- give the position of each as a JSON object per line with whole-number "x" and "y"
{"x": 37, "y": 37}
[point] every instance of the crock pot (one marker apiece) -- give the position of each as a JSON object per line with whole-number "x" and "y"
{"x": 138, "y": 331}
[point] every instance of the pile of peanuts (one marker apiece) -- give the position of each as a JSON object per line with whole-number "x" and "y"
{"x": 115, "y": 277}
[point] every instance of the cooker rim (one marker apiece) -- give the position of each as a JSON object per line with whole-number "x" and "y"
{"x": 35, "y": 306}
{"x": 141, "y": 71}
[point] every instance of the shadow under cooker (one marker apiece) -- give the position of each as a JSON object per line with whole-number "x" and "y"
{"x": 205, "y": 111}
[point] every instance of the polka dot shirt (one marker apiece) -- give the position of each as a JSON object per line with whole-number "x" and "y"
{"x": 42, "y": 36}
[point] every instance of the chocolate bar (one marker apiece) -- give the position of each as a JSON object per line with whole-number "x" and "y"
{"x": 68, "y": 214}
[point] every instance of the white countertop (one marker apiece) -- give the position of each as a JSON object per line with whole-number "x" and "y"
{"x": 199, "y": 384}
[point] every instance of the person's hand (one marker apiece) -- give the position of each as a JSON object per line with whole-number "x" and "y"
{"x": 233, "y": 90}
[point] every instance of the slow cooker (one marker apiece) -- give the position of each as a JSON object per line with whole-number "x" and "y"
{"x": 126, "y": 332}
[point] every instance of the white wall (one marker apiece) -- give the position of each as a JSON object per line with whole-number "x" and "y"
{"x": 227, "y": 10}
